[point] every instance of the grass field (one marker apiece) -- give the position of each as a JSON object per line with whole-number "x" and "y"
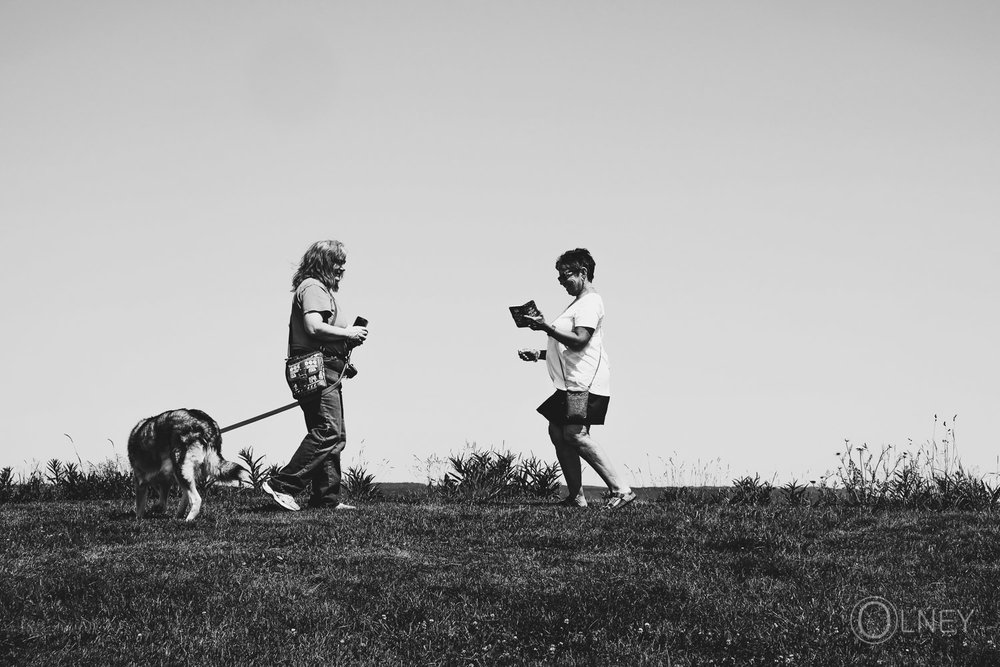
{"x": 418, "y": 581}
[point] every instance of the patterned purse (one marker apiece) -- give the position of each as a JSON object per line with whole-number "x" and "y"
{"x": 306, "y": 374}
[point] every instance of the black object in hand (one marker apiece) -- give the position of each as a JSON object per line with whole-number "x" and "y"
{"x": 350, "y": 371}
{"x": 522, "y": 313}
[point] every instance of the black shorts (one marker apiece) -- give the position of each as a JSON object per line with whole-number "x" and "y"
{"x": 554, "y": 409}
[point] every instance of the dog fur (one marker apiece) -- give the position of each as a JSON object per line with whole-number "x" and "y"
{"x": 178, "y": 445}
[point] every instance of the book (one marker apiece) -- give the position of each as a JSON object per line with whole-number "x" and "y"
{"x": 521, "y": 313}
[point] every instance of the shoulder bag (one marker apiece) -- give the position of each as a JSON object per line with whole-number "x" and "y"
{"x": 577, "y": 400}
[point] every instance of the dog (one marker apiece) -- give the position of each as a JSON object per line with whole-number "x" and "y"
{"x": 178, "y": 445}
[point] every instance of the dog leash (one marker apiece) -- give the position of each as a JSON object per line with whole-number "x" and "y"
{"x": 340, "y": 380}
{"x": 259, "y": 417}
{"x": 271, "y": 413}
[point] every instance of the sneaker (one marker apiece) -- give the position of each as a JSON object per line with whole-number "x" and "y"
{"x": 282, "y": 499}
{"x": 573, "y": 501}
{"x": 329, "y": 505}
{"x": 620, "y": 500}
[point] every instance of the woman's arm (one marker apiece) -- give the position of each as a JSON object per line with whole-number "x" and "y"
{"x": 320, "y": 330}
{"x": 575, "y": 340}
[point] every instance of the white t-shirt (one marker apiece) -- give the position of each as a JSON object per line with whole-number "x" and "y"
{"x": 589, "y": 367}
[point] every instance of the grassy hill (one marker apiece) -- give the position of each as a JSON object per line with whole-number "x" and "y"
{"x": 417, "y": 581}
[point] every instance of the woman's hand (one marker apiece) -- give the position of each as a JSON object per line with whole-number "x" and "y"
{"x": 536, "y": 323}
{"x": 356, "y": 335}
{"x": 529, "y": 355}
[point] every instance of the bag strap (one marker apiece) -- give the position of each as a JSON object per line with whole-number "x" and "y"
{"x": 600, "y": 354}
{"x": 288, "y": 349}
{"x": 296, "y": 308}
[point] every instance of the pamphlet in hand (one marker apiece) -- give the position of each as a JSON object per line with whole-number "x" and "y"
{"x": 522, "y": 313}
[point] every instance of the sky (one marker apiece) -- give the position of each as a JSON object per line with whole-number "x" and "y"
{"x": 793, "y": 208}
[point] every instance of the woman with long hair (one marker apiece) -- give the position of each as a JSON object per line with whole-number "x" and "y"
{"x": 317, "y": 325}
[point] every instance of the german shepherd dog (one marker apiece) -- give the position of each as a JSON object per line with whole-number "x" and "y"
{"x": 181, "y": 445}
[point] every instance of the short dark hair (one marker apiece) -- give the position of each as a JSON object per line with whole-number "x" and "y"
{"x": 576, "y": 259}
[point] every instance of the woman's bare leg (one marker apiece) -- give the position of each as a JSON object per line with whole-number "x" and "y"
{"x": 577, "y": 437}
{"x": 569, "y": 461}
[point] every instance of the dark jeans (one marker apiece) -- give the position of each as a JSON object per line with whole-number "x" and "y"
{"x": 317, "y": 460}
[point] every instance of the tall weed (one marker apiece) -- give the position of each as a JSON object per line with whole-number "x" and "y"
{"x": 255, "y": 467}
{"x": 359, "y": 484}
{"x": 930, "y": 476}
{"x": 489, "y": 475}
{"x": 67, "y": 481}
{"x": 751, "y": 491}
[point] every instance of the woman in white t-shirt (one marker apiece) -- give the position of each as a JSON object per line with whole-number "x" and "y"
{"x": 577, "y": 361}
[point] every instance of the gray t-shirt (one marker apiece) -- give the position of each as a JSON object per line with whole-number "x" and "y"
{"x": 312, "y": 296}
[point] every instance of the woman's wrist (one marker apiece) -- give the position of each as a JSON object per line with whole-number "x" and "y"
{"x": 338, "y": 334}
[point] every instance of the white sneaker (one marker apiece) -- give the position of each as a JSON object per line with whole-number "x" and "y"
{"x": 620, "y": 500}
{"x": 282, "y": 499}
{"x": 344, "y": 506}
